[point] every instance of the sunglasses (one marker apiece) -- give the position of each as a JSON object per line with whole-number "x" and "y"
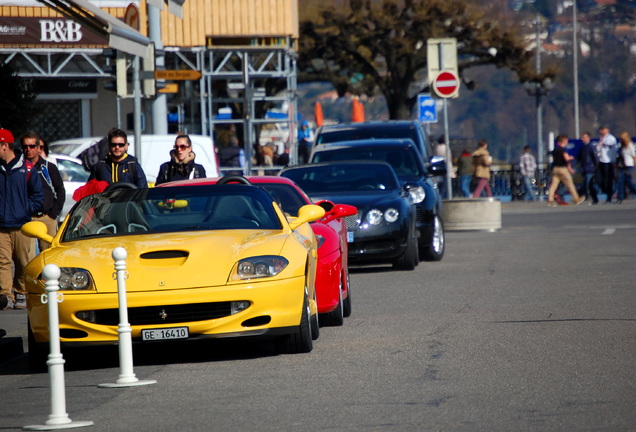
{"x": 31, "y": 146}
{"x": 181, "y": 147}
{"x": 117, "y": 144}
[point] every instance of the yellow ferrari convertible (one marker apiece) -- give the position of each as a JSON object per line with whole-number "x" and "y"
{"x": 209, "y": 261}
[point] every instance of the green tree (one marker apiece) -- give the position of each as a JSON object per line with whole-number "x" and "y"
{"x": 366, "y": 45}
{"x": 18, "y": 109}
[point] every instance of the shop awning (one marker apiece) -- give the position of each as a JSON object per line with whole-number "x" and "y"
{"x": 119, "y": 35}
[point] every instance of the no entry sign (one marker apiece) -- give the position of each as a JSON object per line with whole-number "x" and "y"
{"x": 446, "y": 84}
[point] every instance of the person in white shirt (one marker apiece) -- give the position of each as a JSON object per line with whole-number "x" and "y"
{"x": 625, "y": 163}
{"x": 607, "y": 161}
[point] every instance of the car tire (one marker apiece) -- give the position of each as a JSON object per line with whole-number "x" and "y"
{"x": 335, "y": 318}
{"x": 434, "y": 251}
{"x": 346, "y": 306}
{"x": 38, "y": 352}
{"x": 410, "y": 258}
{"x": 301, "y": 340}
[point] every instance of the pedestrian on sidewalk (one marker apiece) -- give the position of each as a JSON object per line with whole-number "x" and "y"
{"x": 561, "y": 172}
{"x": 481, "y": 164}
{"x": 528, "y": 167}
{"x": 625, "y": 163}
{"x": 21, "y": 196}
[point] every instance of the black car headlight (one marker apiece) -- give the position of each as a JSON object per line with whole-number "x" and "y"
{"x": 375, "y": 216}
{"x": 417, "y": 194}
{"x": 258, "y": 267}
{"x": 74, "y": 279}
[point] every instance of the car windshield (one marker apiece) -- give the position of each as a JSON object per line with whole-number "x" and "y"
{"x": 175, "y": 209}
{"x": 353, "y": 134}
{"x": 403, "y": 160}
{"x": 287, "y": 197}
{"x": 343, "y": 178}
{"x": 72, "y": 171}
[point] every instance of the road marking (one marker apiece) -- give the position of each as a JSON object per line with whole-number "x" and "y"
{"x": 609, "y": 231}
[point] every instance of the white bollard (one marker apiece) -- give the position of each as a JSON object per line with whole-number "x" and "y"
{"x": 58, "y": 419}
{"x": 127, "y": 377}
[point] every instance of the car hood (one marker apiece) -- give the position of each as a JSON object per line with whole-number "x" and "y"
{"x": 359, "y": 200}
{"x": 171, "y": 260}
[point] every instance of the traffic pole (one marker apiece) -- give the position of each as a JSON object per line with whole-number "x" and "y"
{"x": 127, "y": 377}
{"x": 58, "y": 419}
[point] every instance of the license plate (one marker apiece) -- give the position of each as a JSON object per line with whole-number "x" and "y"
{"x": 165, "y": 334}
{"x": 349, "y": 237}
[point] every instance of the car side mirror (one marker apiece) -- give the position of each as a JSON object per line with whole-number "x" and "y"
{"x": 36, "y": 229}
{"x": 307, "y": 213}
{"x": 339, "y": 211}
{"x": 437, "y": 166}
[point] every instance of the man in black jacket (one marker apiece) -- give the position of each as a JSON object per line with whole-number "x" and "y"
{"x": 52, "y": 184}
{"x": 119, "y": 166}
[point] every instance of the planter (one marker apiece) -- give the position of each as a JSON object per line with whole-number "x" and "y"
{"x": 472, "y": 214}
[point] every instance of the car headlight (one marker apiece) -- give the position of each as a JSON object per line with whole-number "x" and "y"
{"x": 391, "y": 215}
{"x": 258, "y": 267}
{"x": 74, "y": 279}
{"x": 320, "y": 240}
{"x": 417, "y": 194}
{"x": 374, "y": 217}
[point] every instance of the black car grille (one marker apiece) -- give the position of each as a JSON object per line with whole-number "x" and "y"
{"x": 167, "y": 314}
{"x": 419, "y": 214}
{"x": 352, "y": 222}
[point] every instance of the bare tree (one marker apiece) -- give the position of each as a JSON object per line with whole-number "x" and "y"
{"x": 363, "y": 46}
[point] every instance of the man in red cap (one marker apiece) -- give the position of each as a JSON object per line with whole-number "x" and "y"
{"x": 21, "y": 196}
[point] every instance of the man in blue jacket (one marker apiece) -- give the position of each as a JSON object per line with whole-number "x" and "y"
{"x": 21, "y": 196}
{"x": 119, "y": 166}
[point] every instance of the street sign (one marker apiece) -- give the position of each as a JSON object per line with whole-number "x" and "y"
{"x": 427, "y": 109}
{"x": 441, "y": 56}
{"x": 169, "y": 88}
{"x": 177, "y": 75}
{"x": 446, "y": 84}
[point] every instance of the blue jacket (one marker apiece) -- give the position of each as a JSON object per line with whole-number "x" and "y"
{"x": 127, "y": 170}
{"x": 588, "y": 159}
{"x": 21, "y": 194}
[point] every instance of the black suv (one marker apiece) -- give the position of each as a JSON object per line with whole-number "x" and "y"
{"x": 411, "y": 129}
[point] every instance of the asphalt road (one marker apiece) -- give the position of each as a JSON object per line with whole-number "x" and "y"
{"x": 531, "y": 328}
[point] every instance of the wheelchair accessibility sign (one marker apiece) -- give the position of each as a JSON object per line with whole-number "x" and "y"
{"x": 427, "y": 111}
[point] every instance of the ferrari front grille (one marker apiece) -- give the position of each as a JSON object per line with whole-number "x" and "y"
{"x": 166, "y": 314}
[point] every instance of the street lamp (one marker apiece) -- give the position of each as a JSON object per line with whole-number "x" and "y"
{"x": 538, "y": 89}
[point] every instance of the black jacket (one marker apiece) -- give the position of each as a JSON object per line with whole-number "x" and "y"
{"x": 127, "y": 170}
{"x": 53, "y": 187}
{"x": 175, "y": 170}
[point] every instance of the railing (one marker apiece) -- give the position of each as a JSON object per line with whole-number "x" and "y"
{"x": 506, "y": 182}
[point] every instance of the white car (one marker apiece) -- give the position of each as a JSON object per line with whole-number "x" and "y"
{"x": 155, "y": 150}
{"x": 73, "y": 174}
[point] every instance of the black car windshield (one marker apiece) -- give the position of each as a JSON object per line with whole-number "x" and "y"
{"x": 315, "y": 179}
{"x": 172, "y": 209}
{"x": 403, "y": 160}
{"x": 354, "y": 133}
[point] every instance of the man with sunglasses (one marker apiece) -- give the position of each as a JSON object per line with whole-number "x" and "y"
{"x": 21, "y": 196}
{"x": 181, "y": 165}
{"x": 52, "y": 184}
{"x": 118, "y": 166}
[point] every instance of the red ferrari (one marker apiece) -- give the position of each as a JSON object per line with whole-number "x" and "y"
{"x": 333, "y": 292}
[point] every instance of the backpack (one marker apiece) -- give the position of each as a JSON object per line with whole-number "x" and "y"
{"x": 93, "y": 154}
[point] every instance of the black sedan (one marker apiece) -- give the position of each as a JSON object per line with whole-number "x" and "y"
{"x": 384, "y": 229}
{"x": 403, "y": 156}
